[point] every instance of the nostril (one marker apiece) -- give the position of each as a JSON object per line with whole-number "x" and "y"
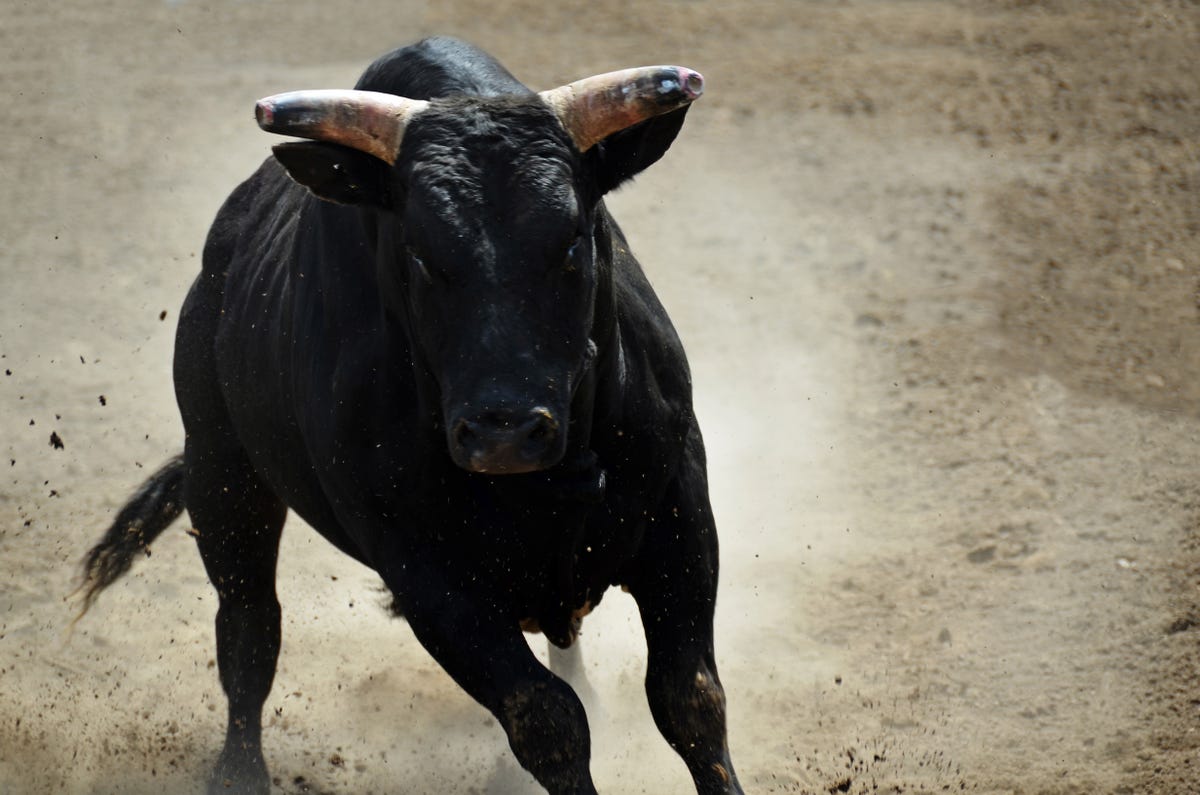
{"x": 502, "y": 441}
{"x": 463, "y": 433}
{"x": 541, "y": 428}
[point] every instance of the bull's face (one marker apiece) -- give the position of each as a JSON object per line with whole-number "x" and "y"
{"x": 490, "y": 209}
{"x": 496, "y": 236}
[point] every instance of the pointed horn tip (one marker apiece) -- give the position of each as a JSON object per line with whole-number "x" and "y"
{"x": 691, "y": 82}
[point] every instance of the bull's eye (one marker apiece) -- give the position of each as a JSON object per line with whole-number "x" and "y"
{"x": 573, "y": 254}
{"x": 419, "y": 264}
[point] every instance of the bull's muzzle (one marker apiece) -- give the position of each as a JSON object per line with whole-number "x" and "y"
{"x": 506, "y": 442}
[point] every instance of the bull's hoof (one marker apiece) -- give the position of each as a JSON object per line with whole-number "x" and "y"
{"x": 239, "y": 773}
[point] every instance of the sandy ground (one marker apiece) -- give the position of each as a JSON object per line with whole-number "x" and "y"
{"x": 937, "y": 268}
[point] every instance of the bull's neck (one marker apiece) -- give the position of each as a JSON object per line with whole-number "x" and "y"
{"x": 339, "y": 243}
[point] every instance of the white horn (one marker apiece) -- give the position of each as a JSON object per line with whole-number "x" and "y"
{"x": 369, "y": 121}
{"x": 594, "y": 108}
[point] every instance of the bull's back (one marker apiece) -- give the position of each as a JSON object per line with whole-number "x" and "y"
{"x": 247, "y": 263}
{"x": 229, "y": 266}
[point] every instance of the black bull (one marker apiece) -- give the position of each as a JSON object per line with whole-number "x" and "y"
{"x": 443, "y": 356}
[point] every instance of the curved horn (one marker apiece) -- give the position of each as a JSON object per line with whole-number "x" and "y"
{"x": 369, "y": 121}
{"x": 594, "y": 108}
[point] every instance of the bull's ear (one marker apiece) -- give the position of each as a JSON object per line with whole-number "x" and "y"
{"x": 336, "y": 173}
{"x": 624, "y": 154}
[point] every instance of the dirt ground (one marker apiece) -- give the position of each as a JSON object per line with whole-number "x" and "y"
{"x": 937, "y": 267}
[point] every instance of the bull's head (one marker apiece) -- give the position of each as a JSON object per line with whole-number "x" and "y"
{"x": 492, "y": 252}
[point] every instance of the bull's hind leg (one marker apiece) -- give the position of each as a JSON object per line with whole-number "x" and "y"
{"x": 676, "y": 590}
{"x": 238, "y": 522}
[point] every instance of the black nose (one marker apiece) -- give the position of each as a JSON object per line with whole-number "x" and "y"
{"x": 505, "y": 442}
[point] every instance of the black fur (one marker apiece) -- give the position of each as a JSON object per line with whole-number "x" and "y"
{"x": 377, "y": 364}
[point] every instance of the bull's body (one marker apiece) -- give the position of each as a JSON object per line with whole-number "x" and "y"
{"x": 302, "y": 384}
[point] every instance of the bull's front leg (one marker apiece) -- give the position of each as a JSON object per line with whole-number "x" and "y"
{"x": 675, "y": 588}
{"x": 489, "y": 658}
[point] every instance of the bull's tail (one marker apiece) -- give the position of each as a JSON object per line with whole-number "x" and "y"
{"x": 148, "y": 512}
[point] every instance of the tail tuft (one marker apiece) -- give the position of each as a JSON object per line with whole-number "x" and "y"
{"x": 148, "y": 512}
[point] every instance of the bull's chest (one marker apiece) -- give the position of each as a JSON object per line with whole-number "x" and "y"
{"x": 559, "y": 552}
